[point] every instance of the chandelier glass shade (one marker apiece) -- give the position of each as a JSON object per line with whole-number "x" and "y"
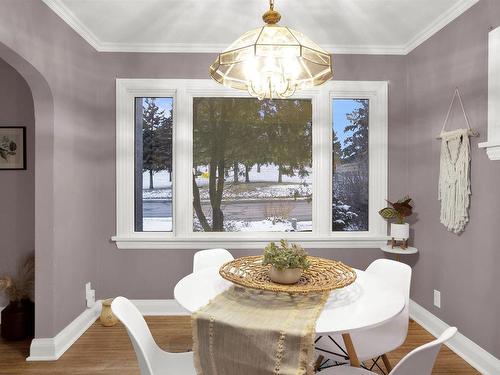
{"x": 272, "y": 61}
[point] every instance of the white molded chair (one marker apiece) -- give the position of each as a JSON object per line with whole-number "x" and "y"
{"x": 152, "y": 359}
{"x": 419, "y": 361}
{"x": 210, "y": 258}
{"x": 375, "y": 342}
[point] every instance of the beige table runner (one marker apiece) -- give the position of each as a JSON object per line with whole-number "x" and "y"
{"x": 251, "y": 332}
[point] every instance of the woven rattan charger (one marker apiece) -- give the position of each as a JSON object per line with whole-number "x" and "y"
{"x": 322, "y": 275}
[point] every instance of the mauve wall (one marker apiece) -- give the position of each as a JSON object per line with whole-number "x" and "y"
{"x": 59, "y": 65}
{"x": 465, "y": 268}
{"x": 17, "y": 188}
{"x": 153, "y": 274}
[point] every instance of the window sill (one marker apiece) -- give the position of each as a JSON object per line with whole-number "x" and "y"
{"x": 492, "y": 149}
{"x": 135, "y": 243}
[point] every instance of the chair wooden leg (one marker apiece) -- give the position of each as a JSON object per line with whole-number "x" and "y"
{"x": 387, "y": 363}
{"x": 353, "y": 357}
{"x": 318, "y": 363}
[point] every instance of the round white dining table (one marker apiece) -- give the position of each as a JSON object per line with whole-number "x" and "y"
{"x": 368, "y": 302}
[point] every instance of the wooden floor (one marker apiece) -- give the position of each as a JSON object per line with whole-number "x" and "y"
{"x": 107, "y": 351}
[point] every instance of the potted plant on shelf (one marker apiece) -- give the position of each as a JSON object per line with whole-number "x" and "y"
{"x": 287, "y": 262}
{"x": 18, "y": 318}
{"x": 400, "y": 230}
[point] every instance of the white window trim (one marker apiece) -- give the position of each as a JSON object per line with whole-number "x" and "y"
{"x": 182, "y": 237}
{"x": 492, "y": 145}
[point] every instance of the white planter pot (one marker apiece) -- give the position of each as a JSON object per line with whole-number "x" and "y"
{"x": 286, "y": 276}
{"x": 400, "y": 232}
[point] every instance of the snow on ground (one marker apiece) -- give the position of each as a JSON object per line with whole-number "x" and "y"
{"x": 268, "y": 173}
{"x": 291, "y": 187}
{"x": 160, "y": 224}
{"x": 271, "y": 191}
{"x": 157, "y": 224}
{"x": 266, "y": 225}
{"x": 157, "y": 194}
{"x": 160, "y": 180}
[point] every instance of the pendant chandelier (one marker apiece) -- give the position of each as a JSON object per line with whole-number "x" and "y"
{"x": 272, "y": 61}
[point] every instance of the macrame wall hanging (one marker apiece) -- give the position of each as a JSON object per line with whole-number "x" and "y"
{"x": 454, "y": 175}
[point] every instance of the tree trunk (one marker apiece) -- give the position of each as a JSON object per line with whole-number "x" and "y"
{"x": 247, "y": 173}
{"x": 151, "y": 179}
{"x": 280, "y": 174}
{"x": 170, "y": 176}
{"x": 197, "y": 207}
{"x": 216, "y": 189}
{"x": 258, "y": 168}
{"x": 217, "y": 171}
{"x": 236, "y": 172}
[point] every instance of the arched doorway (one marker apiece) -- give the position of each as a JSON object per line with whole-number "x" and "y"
{"x": 44, "y": 195}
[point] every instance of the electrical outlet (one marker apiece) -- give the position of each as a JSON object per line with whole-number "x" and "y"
{"x": 89, "y": 295}
{"x": 437, "y": 298}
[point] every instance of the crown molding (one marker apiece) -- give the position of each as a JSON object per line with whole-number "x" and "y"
{"x": 75, "y": 23}
{"x": 216, "y": 48}
{"x": 162, "y": 47}
{"x": 58, "y": 7}
{"x": 438, "y": 24}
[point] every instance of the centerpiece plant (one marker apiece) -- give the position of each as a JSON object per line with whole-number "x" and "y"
{"x": 287, "y": 261}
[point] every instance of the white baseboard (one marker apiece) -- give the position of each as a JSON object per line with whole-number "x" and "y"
{"x": 163, "y": 307}
{"x": 477, "y": 357}
{"x": 51, "y": 349}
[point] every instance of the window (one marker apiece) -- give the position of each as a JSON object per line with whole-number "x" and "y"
{"x": 153, "y": 164}
{"x": 200, "y": 165}
{"x": 252, "y": 163}
{"x": 350, "y": 144}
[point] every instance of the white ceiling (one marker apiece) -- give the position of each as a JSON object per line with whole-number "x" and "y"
{"x": 340, "y": 26}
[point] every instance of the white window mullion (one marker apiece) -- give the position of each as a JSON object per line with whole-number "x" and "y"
{"x": 321, "y": 159}
{"x": 378, "y": 158}
{"x": 125, "y": 154}
{"x": 183, "y": 160}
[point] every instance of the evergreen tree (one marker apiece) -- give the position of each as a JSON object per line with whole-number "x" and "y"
{"x": 156, "y": 139}
{"x": 336, "y": 152}
{"x": 356, "y": 144}
{"x": 289, "y": 135}
{"x": 165, "y": 134}
{"x": 342, "y": 216}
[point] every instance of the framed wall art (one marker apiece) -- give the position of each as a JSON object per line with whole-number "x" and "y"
{"x": 12, "y": 147}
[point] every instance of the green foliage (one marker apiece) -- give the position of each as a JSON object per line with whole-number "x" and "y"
{"x": 157, "y": 138}
{"x": 285, "y": 256}
{"x": 388, "y": 213}
{"x": 398, "y": 210}
{"x": 357, "y": 143}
